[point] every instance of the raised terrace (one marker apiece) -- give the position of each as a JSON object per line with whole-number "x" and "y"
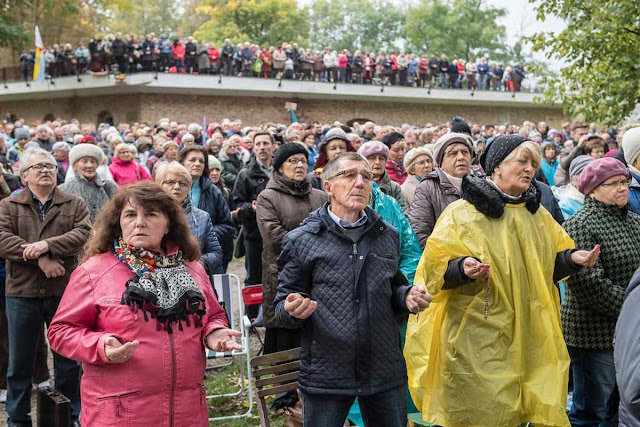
{"x": 183, "y": 97}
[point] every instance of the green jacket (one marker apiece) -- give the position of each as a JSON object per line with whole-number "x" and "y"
{"x": 595, "y": 295}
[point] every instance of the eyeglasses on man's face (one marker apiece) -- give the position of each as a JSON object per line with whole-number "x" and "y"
{"x": 352, "y": 174}
{"x": 39, "y": 167}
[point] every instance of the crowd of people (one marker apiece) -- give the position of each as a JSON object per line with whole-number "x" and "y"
{"x": 132, "y": 54}
{"x": 475, "y": 248}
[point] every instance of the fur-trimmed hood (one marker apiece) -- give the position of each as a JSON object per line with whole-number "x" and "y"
{"x": 489, "y": 201}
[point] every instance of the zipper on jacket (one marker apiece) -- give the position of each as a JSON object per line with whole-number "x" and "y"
{"x": 117, "y": 398}
{"x": 173, "y": 380}
{"x": 203, "y": 393}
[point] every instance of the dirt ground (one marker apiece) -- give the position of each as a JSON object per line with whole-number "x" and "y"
{"x": 236, "y": 267}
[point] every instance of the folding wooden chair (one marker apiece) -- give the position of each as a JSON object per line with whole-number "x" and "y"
{"x": 274, "y": 373}
{"x": 222, "y": 285}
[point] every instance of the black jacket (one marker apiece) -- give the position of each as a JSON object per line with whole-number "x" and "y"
{"x": 626, "y": 355}
{"x": 251, "y": 180}
{"x": 118, "y": 47}
{"x": 351, "y": 343}
{"x": 212, "y": 201}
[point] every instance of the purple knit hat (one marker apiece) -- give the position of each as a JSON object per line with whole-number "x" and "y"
{"x": 598, "y": 171}
{"x": 373, "y": 147}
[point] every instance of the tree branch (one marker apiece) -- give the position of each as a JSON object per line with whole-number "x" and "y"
{"x": 631, "y": 31}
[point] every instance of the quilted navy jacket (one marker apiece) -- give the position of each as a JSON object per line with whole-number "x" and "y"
{"x": 350, "y": 344}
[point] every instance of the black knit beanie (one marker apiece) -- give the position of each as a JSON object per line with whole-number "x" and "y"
{"x": 392, "y": 138}
{"x": 287, "y": 150}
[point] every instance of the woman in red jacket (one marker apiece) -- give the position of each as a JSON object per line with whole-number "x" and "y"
{"x": 179, "y": 53}
{"x": 138, "y": 313}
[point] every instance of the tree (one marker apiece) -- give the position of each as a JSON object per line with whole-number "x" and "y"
{"x": 461, "y": 29}
{"x": 256, "y": 21}
{"x": 600, "y": 45}
{"x": 143, "y": 17}
{"x": 369, "y": 25}
{"x": 13, "y": 31}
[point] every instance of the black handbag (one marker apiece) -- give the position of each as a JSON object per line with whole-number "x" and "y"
{"x": 54, "y": 409}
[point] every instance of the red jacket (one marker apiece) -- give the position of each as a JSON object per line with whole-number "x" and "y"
{"x": 178, "y": 52}
{"x": 161, "y": 385}
{"x": 125, "y": 173}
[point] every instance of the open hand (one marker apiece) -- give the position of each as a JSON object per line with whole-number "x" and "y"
{"x": 299, "y": 307}
{"x": 117, "y": 352}
{"x": 417, "y": 299}
{"x": 474, "y": 269}
{"x": 222, "y": 340}
{"x": 34, "y": 250}
{"x": 51, "y": 267}
{"x": 586, "y": 258}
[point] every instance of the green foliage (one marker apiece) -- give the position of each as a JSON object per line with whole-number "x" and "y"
{"x": 600, "y": 44}
{"x": 13, "y": 31}
{"x": 369, "y": 25}
{"x": 143, "y": 17}
{"x": 255, "y": 21}
{"x": 461, "y": 28}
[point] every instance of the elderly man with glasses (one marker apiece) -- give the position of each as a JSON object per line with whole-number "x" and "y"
{"x": 339, "y": 281}
{"x": 42, "y": 230}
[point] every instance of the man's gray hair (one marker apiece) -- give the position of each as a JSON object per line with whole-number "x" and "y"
{"x": 25, "y": 158}
{"x": 194, "y": 128}
{"x": 336, "y": 165}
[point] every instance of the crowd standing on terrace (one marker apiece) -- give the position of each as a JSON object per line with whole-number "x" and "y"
{"x": 137, "y": 53}
{"x": 410, "y": 262}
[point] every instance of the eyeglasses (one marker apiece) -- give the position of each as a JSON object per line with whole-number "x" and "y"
{"x": 42, "y": 166}
{"x": 352, "y": 174}
{"x": 172, "y": 183}
{"x": 296, "y": 161}
{"x": 617, "y": 184}
{"x": 422, "y": 163}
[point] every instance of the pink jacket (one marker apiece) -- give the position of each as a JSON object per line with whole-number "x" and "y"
{"x": 161, "y": 385}
{"x": 125, "y": 173}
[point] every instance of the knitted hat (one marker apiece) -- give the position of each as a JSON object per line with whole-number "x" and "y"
{"x": 168, "y": 144}
{"x": 598, "y": 171}
{"x": 414, "y": 153}
{"x": 287, "y": 150}
{"x": 631, "y": 145}
{"x": 335, "y": 133}
{"x": 392, "y": 138}
{"x": 88, "y": 140}
{"x": 447, "y": 140}
{"x": 214, "y": 163}
{"x": 85, "y": 150}
{"x": 458, "y": 125}
{"x": 373, "y": 147}
{"x": 578, "y": 164}
{"x": 499, "y": 150}
{"x": 21, "y": 133}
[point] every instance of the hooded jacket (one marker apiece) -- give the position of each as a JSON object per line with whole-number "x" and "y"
{"x": 281, "y": 207}
{"x": 351, "y": 343}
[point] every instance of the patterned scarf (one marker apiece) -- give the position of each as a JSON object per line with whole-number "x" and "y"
{"x": 161, "y": 287}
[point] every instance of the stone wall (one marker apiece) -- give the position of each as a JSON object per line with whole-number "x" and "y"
{"x": 188, "y": 108}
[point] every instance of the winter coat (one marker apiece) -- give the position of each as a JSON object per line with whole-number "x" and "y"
{"x": 95, "y": 194}
{"x": 212, "y": 202}
{"x": 231, "y": 166}
{"x": 392, "y": 189}
{"x": 409, "y": 189}
{"x": 626, "y": 355}
{"x": 634, "y": 193}
{"x": 432, "y": 196}
{"x": 203, "y": 58}
{"x": 125, "y": 173}
{"x": 278, "y": 59}
{"x": 549, "y": 202}
{"x": 594, "y": 296}
{"x": 65, "y": 228}
{"x": 351, "y": 343}
{"x": 250, "y": 182}
{"x": 280, "y": 208}
{"x": 202, "y": 228}
{"x": 162, "y": 384}
{"x": 391, "y": 212}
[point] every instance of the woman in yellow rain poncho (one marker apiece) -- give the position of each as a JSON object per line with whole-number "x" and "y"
{"x": 512, "y": 366}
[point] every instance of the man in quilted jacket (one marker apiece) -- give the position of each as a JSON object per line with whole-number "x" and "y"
{"x": 339, "y": 281}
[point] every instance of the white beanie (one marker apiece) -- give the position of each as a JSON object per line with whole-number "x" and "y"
{"x": 85, "y": 150}
{"x": 631, "y": 145}
{"x": 414, "y": 153}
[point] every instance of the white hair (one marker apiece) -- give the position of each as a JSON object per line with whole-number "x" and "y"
{"x": 25, "y": 158}
{"x": 194, "y": 128}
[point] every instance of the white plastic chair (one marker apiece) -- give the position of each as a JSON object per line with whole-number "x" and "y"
{"x": 222, "y": 285}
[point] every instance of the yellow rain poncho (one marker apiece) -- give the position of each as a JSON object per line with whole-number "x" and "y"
{"x": 513, "y": 367}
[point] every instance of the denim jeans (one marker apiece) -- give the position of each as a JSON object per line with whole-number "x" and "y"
{"x": 25, "y": 317}
{"x": 384, "y": 409}
{"x": 443, "y": 80}
{"x": 595, "y": 393}
{"x": 483, "y": 82}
